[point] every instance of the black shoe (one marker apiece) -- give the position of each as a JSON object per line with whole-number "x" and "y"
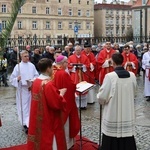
{"x": 83, "y": 108}
{"x": 25, "y": 129}
{"x": 148, "y": 99}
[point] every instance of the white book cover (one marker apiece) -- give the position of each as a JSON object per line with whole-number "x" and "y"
{"x": 83, "y": 86}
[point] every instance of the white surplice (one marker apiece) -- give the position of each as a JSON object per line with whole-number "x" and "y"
{"x": 27, "y": 71}
{"x": 146, "y": 67}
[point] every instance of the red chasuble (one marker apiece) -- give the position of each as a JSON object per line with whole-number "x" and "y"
{"x": 46, "y": 117}
{"x": 130, "y": 58}
{"x": 102, "y": 57}
{"x": 78, "y": 75}
{"x": 92, "y": 60}
{"x": 63, "y": 80}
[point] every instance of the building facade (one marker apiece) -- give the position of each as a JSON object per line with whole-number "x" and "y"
{"x": 51, "y": 18}
{"x": 112, "y": 20}
{"x": 141, "y": 20}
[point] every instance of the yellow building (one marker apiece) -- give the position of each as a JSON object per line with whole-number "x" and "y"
{"x": 51, "y": 18}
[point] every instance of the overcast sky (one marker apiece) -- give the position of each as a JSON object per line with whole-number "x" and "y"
{"x": 108, "y": 1}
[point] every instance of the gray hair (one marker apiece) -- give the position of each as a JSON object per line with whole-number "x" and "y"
{"x": 24, "y": 52}
{"x": 78, "y": 47}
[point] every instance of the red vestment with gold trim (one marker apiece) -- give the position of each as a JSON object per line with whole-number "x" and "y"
{"x": 46, "y": 117}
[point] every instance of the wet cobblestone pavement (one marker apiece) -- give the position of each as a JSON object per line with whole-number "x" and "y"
{"x": 11, "y": 132}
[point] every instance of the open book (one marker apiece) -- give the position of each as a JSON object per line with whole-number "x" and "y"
{"x": 83, "y": 86}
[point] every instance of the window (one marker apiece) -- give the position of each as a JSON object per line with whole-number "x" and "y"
{"x": 107, "y": 32}
{"x": 47, "y": 0}
{"x": 117, "y": 21}
{"x": 111, "y": 12}
{"x": 69, "y": 1}
{"x": 87, "y": 25}
{"x": 111, "y": 21}
{"x": 48, "y": 39}
{"x": 143, "y": 2}
{"x": 70, "y": 25}
{"x": 107, "y": 11}
{"x": 117, "y": 12}
{"x": 79, "y": 1}
{"x": 20, "y": 10}
{"x": 70, "y": 12}
{"x": 87, "y": 2}
{"x": 59, "y": 1}
{"x": 107, "y": 21}
{"x": 129, "y": 21}
{"x": 79, "y": 25}
{"x": 79, "y": 13}
{"x": 59, "y": 11}
{"x": 59, "y": 41}
{"x": 34, "y": 24}
{"x": 34, "y": 10}
{"x": 47, "y": 10}
{"x": 117, "y": 31}
{"x": 47, "y": 25}
{"x": 59, "y": 25}
{"x": 128, "y": 12}
{"x": 19, "y": 39}
{"x": 19, "y": 25}
{"x": 123, "y": 30}
{"x": 3, "y": 8}
{"x": 123, "y": 21}
{"x": 111, "y": 32}
{"x": 3, "y": 24}
{"x": 87, "y": 13}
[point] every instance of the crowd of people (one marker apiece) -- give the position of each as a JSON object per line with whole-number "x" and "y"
{"x": 46, "y": 97}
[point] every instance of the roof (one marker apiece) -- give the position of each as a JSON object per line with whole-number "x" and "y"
{"x": 112, "y": 6}
{"x": 148, "y": 3}
{"x": 138, "y": 3}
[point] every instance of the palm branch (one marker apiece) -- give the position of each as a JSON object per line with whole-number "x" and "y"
{"x": 15, "y": 6}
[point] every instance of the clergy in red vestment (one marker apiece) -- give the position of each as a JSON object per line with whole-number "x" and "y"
{"x": 79, "y": 74}
{"x": 130, "y": 62}
{"x": 61, "y": 80}
{"x": 104, "y": 61}
{"x": 46, "y": 127}
{"x": 90, "y": 71}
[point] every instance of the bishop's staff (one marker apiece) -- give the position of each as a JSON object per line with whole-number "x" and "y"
{"x": 20, "y": 93}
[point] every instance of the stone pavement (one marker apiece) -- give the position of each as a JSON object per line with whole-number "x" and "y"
{"x": 11, "y": 132}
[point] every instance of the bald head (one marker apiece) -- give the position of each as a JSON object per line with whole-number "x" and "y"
{"x": 67, "y": 48}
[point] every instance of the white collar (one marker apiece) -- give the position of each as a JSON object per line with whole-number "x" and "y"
{"x": 78, "y": 56}
{"x": 43, "y": 76}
